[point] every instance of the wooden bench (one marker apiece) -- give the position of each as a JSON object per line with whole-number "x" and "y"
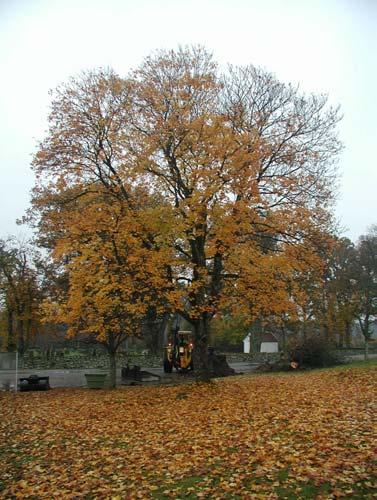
{"x": 136, "y": 374}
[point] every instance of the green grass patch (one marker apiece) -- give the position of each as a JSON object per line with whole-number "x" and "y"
{"x": 180, "y": 486}
{"x": 370, "y": 363}
{"x": 360, "y": 364}
{"x": 121, "y": 444}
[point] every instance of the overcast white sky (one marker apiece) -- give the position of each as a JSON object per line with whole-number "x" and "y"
{"x": 324, "y": 45}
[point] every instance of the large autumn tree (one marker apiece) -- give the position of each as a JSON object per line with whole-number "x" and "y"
{"x": 246, "y": 164}
{"x": 239, "y": 167}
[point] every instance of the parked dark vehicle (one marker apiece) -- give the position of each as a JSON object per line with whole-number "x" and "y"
{"x": 34, "y": 383}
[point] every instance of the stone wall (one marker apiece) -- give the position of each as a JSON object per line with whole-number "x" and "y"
{"x": 71, "y": 359}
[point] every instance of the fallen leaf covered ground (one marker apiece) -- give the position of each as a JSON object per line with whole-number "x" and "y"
{"x": 304, "y": 435}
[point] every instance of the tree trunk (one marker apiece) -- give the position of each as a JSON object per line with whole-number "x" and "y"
{"x": 284, "y": 339}
{"x": 348, "y": 334}
{"x": 364, "y": 326}
{"x": 200, "y": 354}
{"x": 28, "y": 332}
{"x": 341, "y": 337}
{"x": 112, "y": 368}
{"x": 21, "y": 337}
{"x": 11, "y": 342}
{"x": 163, "y": 332}
{"x": 366, "y": 348}
{"x": 326, "y": 332}
{"x": 304, "y": 330}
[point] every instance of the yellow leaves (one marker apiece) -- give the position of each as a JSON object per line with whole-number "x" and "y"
{"x": 113, "y": 277}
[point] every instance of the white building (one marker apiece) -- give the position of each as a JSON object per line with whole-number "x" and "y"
{"x": 269, "y": 343}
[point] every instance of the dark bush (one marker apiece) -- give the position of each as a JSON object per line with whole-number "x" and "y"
{"x": 314, "y": 352}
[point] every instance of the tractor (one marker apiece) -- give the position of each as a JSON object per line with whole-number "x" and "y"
{"x": 178, "y": 353}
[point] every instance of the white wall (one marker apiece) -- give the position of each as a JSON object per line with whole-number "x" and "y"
{"x": 269, "y": 347}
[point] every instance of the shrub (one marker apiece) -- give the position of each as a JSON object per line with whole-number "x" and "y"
{"x": 314, "y": 352}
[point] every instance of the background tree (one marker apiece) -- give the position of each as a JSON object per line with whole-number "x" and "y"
{"x": 228, "y": 331}
{"x": 20, "y": 294}
{"x": 366, "y": 284}
{"x": 339, "y": 302}
{"x": 155, "y": 330}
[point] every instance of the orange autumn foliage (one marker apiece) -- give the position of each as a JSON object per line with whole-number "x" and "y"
{"x": 218, "y": 177}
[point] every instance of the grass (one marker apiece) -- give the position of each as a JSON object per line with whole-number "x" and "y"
{"x": 361, "y": 364}
{"x": 340, "y": 367}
